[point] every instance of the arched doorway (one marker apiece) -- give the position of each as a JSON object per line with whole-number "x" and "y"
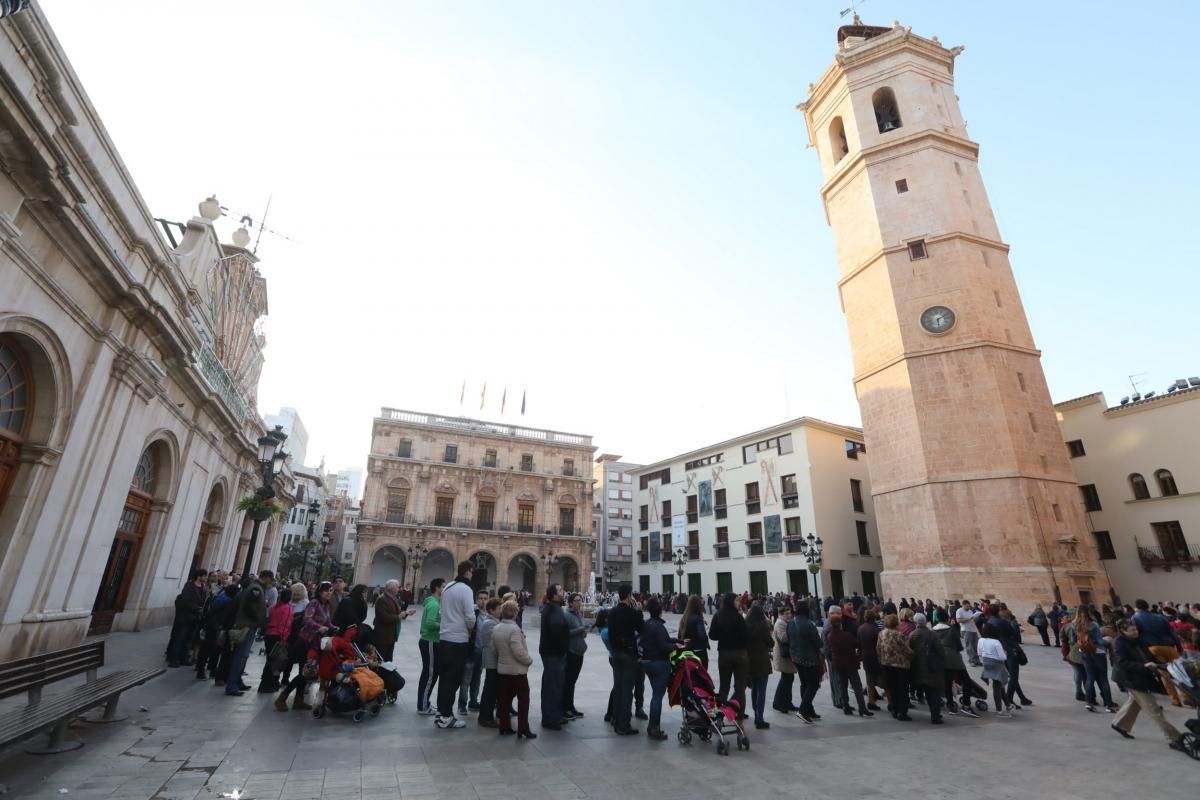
{"x": 483, "y": 576}
{"x": 522, "y": 573}
{"x": 437, "y": 563}
{"x": 210, "y": 526}
{"x": 148, "y": 478}
{"x": 566, "y": 574}
{"x": 389, "y": 563}
{"x": 16, "y": 399}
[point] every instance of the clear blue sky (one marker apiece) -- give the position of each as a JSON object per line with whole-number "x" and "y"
{"x": 612, "y": 206}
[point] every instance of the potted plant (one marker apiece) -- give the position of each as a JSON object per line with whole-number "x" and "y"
{"x": 258, "y": 509}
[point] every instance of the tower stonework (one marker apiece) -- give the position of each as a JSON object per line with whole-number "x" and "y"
{"x": 973, "y": 492}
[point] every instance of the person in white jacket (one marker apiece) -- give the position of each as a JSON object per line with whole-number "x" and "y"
{"x": 454, "y": 643}
{"x": 512, "y": 668}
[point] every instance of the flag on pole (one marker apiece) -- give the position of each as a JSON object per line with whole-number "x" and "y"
{"x": 463, "y": 394}
{"x": 503, "y": 399}
{"x": 482, "y": 395}
{"x": 522, "y": 402}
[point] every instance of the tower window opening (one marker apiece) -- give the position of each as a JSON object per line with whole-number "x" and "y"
{"x": 837, "y": 140}
{"x": 916, "y": 250}
{"x": 887, "y": 113}
{"x": 901, "y": 186}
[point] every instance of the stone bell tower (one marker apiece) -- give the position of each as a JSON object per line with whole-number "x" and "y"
{"x": 973, "y": 492}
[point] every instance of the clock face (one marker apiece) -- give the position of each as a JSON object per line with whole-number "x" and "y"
{"x": 937, "y": 319}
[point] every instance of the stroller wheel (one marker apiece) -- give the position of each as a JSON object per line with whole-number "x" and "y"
{"x": 684, "y": 736}
{"x": 359, "y": 715}
{"x": 981, "y": 705}
{"x": 1191, "y": 744}
{"x": 723, "y": 748}
{"x": 375, "y": 709}
{"x": 392, "y": 698}
{"x": 318, "y": 711}
{"x": 743, "y": 742}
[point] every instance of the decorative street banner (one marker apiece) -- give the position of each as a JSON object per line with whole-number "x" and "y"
{"x": 655, "y": 552}
{"x": 706, "y": 498}
{"x": 679, "y": 531}
{"x": 772, "y": 534}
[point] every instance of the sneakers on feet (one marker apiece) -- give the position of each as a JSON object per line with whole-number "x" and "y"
{"x": 969, "y": 712}
{"x": 1004, "y": 714}
{"x": 447, "y": 723}
{"x": 427, "y": 712}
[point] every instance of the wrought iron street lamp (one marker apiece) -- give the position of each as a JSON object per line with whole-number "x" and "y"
{"x": 680, "y": 559}
{"x": 416, "y": 554}
{"x": 314, "y": 509}
{"x": 812, "y": 554}
{"x": 270, "y": 459}
{"x": 549, "y": 561}
{"x": 610, "y": 572}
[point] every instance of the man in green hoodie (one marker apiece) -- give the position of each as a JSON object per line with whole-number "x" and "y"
{"x": 431, "y": 624}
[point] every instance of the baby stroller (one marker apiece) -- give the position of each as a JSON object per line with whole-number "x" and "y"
{"x": 393, "y": 681}
{"x": 350, "y": 687}
{"x": 703, "y": 715}
{"x": 1186, "y": 675}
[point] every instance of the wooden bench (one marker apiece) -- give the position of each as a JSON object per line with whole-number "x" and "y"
{"x": 29, "y": 675}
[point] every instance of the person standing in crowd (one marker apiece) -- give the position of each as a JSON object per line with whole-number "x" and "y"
{"x": 760, "y": 639}
{"x": 1070, "y": 654}
{"x": 968, "y": 629}
{"x": 553, "y": 648}
{"x": 1156, "y": 636}
{"x": 512, "y": 667}
{"x": 576, "y": 648}
{"x": 1041, "y": 621}
{"x": 189, "y": 609}
{"x": 1055, "y": 618}
{"x": 868, "y": 641}
{"x": 624, "y": 627}
{"x": 454, "y": 643}
{"x": 950, "y": 642}
{"x": 431, "y": 627}
{"x": 317, "y": 621}
{"x": 691, "y": 628}
{"x": 656, "y": 645}
{"x": 251, "y": 615}
{"x": 783, "y": 664}
{"x": 1016, "y": 657}
{"x": 895, "y": 656}
{"x": 728, "y": 630}
{"x": 390, "y": 610}
{"x": 352, "y": 610}
{"x": 339, "y": 591}
{"x": 995, "y": 669}
{"x": 1092, "y": 650}
{"x": 468, "y": 693}
{"x": 845, "y": 653}
{"x": 1136, "y": 669}
{"x": 487, "y": 661}
{"x": 279, "y": 626}
{"x": 928, "y": 666}
{"x": 804, "y": 646}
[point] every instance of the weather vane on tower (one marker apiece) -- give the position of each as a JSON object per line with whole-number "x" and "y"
{"x": 853, "y": 9}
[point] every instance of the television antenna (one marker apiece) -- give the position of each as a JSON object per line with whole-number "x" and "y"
{"x": 853, "y": 9}
{"x": 1134, "y": 383}
{"x": 260, "y": 227}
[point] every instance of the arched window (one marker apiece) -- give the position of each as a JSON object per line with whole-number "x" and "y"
{"x": 837, "y": 140}
{"x": 1140, "y": 490}
{"x": 1166, "y": 483}
{"x": 143, "y": 474}
{"x": 887, "y": 113}
{"x": 15, "y": 402}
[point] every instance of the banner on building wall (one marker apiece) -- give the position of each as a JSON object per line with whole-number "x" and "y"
{"x": 706, "y": 509}
{"x": 679, "y": 531}
{"x": 772, "y": 534}
{"x": 655, "y": 551}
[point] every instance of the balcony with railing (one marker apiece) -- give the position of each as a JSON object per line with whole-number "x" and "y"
{"x": 221, "y": 382}
{"x": 790, "y": 500}
{"x": 693, "y": 517}
{"x": 1164, "y": 558}
{"x": 793, "y": 544}
{"x": 754, "y": 547}
{"x": 468, "y": 523}
{"x": 752, "y": 506}
{"x": 720, "y": 512}
{"x": 665, "y": 554}
{"x": 643, "y": 524}
{"x": 643, "y": 557}
{"x": 693, "y": 552}
{"x": 477, "y": 426}
{"x": 721, "y": 549}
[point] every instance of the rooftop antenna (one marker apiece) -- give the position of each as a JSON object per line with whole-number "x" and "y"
{"x": 248, "y": 221}
{"x": 853, "y": 9}
{"x": 1134, "y": 383}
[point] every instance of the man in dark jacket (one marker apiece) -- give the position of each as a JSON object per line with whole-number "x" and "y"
{"x": 556, "y": 635}
{"x": 250, "y": 614}
{"x": 804, "y": 644}
{"x": 624, "y": 627}
{"x": 189, "y": 607}
{"x": 1134, "y": 669}
{"x": 928, "y": 666}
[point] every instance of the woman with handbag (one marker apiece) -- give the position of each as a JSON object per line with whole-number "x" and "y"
{"x": 279, "y": 626}
{"x": 1137, "y": 671}
{"x": 315, "y": 622}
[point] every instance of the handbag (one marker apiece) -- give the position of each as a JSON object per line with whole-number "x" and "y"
{"x": 237, "y": 635}
{"x": 278, "y": 658}
{"x": 1022, "y": 659}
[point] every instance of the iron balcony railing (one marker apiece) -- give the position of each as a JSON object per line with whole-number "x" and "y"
{"x": 754, "y": 547}
{"x": 468, "y": 523}
{"x": 722, "y": 549}
{"x": 465, "y": 424}
{"x": 1181, "y": 556}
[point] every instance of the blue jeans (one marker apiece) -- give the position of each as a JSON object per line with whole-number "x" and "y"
{"x": 554, "y": 677}
{"x": 1080, "y": 675}
{"x": 237, "y": 663}
{"x": 181, "y": 641}
{"x": 659, "y": 672}
{"x": 758, "y": 697}
{"x": 1096, "y": 674}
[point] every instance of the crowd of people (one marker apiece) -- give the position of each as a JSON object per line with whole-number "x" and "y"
{"x": 875, "y": 654}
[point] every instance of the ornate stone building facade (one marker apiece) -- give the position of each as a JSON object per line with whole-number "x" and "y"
{"x": 972, "y": 488}
{"x": 514, "y": 500}
{"x": 128, "y": 367}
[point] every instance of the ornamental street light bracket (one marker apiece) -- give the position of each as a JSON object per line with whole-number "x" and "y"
{"x": 271, "y": 459}
{"x": 680, "y": 559}
{"x": 812, "y": 554}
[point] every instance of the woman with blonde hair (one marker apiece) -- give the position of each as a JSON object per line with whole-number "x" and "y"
{"x": 512, "y": 668}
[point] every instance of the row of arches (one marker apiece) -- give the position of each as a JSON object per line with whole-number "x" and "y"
{"x": 1164, "y": 479}
{"x": 391, "y": 562}
{"x": 887, "y": 119}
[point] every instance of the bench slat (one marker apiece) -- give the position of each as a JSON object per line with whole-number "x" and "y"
{"x": 33, "y": 672}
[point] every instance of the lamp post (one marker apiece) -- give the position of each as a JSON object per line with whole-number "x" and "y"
{"x": 610, "y": 572}
{"x": 314, "y": 508}
{"x": 549, "y": 561}
{"x": 680, "y": 559}
{"x": 325, "y": 540}
{"x": 416, "y": 554}
{"x": 270, "y": 460}
{"x": 812, "y": 554}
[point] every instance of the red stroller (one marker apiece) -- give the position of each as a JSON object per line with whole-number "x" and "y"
{"x": 703, "y": 714}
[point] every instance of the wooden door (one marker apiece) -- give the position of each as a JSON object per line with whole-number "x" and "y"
{"x": 122, "y": 561}
{"x": 201, "y": 545}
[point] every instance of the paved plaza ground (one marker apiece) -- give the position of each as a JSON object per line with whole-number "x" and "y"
{"x": 184, "y": 740}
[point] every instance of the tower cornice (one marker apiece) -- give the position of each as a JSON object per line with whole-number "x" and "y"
{"x": 895, "y": 148}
